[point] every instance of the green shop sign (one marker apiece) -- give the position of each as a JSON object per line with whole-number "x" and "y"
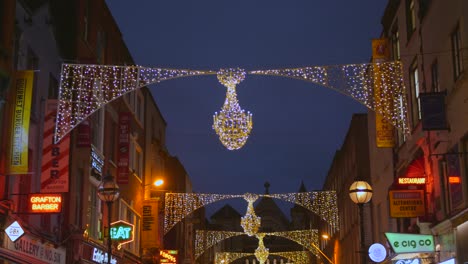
{"x": 122, "y": 232}
{"x": 410, "y": 243}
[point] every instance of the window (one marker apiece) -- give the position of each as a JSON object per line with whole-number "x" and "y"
{"x": 136, "y": 158}
{"x": 101, "y": 47}
{"x": 435, "y": 77}
{"x": 456, "y": 53}
{"x": 53, "y": 87}
{"x": 395, "y": 44}
{"x": 414, "y": 86}
{"x": 86, "y": 20}
{"x": 94, "y": 214}
{"x": 98, "y": 129}
{"x": 130, "y": 215}
{"x": 139, "y": 106}
{"x": 410, "y": 18}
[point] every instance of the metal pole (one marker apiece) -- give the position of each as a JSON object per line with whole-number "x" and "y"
{"x": 361, "y": 225}
{"x": 109, "y": 240}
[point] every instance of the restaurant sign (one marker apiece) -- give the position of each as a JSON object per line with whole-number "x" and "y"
{"x": 122, "y": 232}
{"x": 410, "y": 243}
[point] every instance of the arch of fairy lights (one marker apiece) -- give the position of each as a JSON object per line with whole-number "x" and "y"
{"x": 205, "y": 239}
{"x": 86, "y": 88}
{"x": 294, "y": 256}
{"x": 322, "y": 203}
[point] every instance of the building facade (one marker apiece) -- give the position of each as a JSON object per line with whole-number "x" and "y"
{"x": 125, "y": 138}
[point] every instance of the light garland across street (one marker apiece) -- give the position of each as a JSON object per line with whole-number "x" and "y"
{"x": 179, "y": 205}
{"x": 85, "y": 88}
{"x": 299, "y": 257}
{"x": 205, "y": 239}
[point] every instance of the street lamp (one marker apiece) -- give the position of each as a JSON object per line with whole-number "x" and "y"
{"x": 108, "y": 191}
{"x": 361, "y": 193}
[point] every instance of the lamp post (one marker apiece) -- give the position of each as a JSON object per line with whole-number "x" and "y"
{"x": 361, "y": 193}
{"x": 108, "y": 191}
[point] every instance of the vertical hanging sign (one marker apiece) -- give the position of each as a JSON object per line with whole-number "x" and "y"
{"x": 124, "y": 148}
{"x": 150, "y": 223}
{"x": 21, "y": 112}
{"x": 383, "y": 128}
{"x": 55, "y": 157}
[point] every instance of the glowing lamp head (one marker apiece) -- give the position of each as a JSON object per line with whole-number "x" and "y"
{"x": 159, "y": 182}
{"x": 360, "y": 192}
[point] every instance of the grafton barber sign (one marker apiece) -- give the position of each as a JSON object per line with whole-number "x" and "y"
{"x": 45, "y": 203}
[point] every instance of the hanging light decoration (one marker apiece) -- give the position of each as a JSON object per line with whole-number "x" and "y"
{"x": 232, "y": 124}
{"x": 261, "y": 253}
{"x": 250, "y": 222}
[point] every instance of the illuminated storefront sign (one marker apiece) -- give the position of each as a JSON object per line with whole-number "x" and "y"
{"x": 97, "y": 162}
{"x": 413, "y": 180}
{"x": 377, "y": 252}
{"x": 101, "y": 257}
{"x": 410, "y": 243}
{"x": 408, "y": 261}
{"x": 34, "y": 248}
{"x": 122, "y": 232}
{"x": 45, "y": 203}
{"x": 168, "y": 256}
{"x": 407, "y": 203}
{"x": 14, "y": 231}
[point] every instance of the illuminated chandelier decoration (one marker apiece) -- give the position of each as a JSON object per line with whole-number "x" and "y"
{"x": 294, "y": 256}
{"x": 250, "y": 222}
{"x": 261, "y": 253}
{"x": 179, "y": 205}
{"x": 86, "y": 88}
{"x": 232, "y": 124}
{"x": 205, "y": 239}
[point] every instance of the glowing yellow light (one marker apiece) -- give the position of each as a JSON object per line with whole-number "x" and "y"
{"x": 250, "y": 222}
{"x": 232, "y": 124}
{"x": 410, "y": 180}
{"x": 159, "y": 182}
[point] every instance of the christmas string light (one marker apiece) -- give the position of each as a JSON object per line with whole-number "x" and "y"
{"x": 179, "y": 205}
{"x": 250, "y": 222}
{"x": 85, "y": 88}
{"x": 299, "y": 257}
{"x": 357, "y": 81}
{"x": 261, "y": 252}
{"x": 232, "y": 124}
{"x": 205, "y": 239}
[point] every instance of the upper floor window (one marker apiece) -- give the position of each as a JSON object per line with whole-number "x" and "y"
{"x": 395, "y": 44}
{"x": 128, "y": 213}
{"x": 410, "y": 17}
{"x": 456, "y": 53}
{"x": 53, "y": 87}
{"x": 414, "y": 86}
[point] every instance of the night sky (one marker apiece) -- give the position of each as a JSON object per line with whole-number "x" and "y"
{"x": 298, "y": 126}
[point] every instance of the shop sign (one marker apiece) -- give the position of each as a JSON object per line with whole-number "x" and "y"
{"x": 34, "y": 248}
{"x": 100, "y": 257}
{"x": 407, "y": 203}
{"x": 377, "y": 252}
{"x": 122, "y": 232}
{"x": 45, "y": 203}
{"x": 168, "y": 256}
{"x": 97, "y": 162}
{"x": 411, "y": 180}
{"x": 450, "y": 261}
{"x": 410, "y": 243}
{"x": 407, "y": 261}
{"x": 14, "y": 231}
{"x": 149, "y": 227}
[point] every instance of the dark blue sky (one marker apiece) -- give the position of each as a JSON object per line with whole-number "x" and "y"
{"x": 298, "y": 126}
